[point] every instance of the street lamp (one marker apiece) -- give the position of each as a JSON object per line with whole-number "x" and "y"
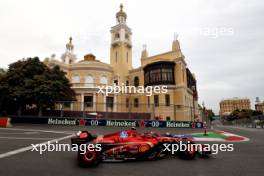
{"x": 193, "y": 92}
{"x": 203, "y": 111}
{"x": 204, "y": 120}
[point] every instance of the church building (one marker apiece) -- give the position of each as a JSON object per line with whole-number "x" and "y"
{"x": 168, "y": 68}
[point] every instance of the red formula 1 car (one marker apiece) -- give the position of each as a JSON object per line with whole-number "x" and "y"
{"x": 131, "y": 145}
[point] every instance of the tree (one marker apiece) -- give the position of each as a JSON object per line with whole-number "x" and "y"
{"x": 256, "y": 113}
{"x": 2, "y": 86}
{"x": 30, "y": 82}
{"x": 2, "y": 72}
{"x": 210, "y": 114}
{"x": 243, "y": 114}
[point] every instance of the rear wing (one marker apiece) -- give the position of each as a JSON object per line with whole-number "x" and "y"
{"x": 82, "y": 137}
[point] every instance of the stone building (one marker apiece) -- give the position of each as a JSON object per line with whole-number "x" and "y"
{"x": 227, "y": 106}
{"x": 168, "y": 68}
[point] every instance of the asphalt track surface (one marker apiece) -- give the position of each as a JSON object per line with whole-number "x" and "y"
{"x": 246, "y": 159}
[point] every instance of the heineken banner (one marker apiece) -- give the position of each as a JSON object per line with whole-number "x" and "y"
{"x": 106, "y": 122}
{"x": 126, "y": 123}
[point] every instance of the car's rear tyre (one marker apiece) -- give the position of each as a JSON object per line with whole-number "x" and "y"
{"x": 189, "y": 153}
{"x": 89, "y": 159}
{"x": 155, "y": 153}
{"x": 204, "y": 154}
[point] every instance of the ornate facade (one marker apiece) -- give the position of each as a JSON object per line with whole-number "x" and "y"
{"x": 227, "y": 106}
{"x": 168, "y": 68}
{"x": 259, "y": 106}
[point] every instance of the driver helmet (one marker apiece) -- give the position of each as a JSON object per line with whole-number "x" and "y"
{"x": 168, "y": 134}
{"x": 133, "y": 128}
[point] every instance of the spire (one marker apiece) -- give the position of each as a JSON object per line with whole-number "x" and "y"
{"x": 257, "y": 100}
{"x": 69, "y": 57}
{"x": 69, "y": 46}
{"x": 175, "y": 36}
{"x": 121, "y": 32}
{"x": 144, "y": 53}
{"x": 121, "y": 15}
{"x": 175, "y": 43}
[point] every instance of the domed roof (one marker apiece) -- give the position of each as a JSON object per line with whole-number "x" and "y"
{"x": 90, "y": 62}
{"x": 89, "y": 57}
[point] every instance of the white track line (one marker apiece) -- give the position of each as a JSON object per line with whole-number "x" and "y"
{"x": 213, "y": 139}
{"x": 7, "y": 154}
{"x": 23, "y": 133}
{"x": 232, "y": 134}
{"x": 19, "y": 133}
{"x": 25, "y": 138}
{"x": 34, "y": 130}
{"x": 208, "y": 139}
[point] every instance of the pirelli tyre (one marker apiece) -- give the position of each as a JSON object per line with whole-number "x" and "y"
{"x": 89, "y": 158}
{"x": 190, "y": 152}
{"x": 155, "y": 153}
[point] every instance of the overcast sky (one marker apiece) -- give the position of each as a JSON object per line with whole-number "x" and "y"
{"x": 222, "y": 40}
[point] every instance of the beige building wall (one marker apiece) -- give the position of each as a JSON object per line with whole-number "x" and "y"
{"x": 229, "y": 105}
{"x": 89, "y": 73}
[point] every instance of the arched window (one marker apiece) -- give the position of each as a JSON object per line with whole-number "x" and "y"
{"x": 117, "y": 36}
{"x": 135, "y": 102}
{"x": 76, "y": 79}
{"x": 127, "y": 57}
{"x": 103, "y": 80}
{"x": 127, "y": 36}
{"x": 116, "y": 56}
{"x": 89, "y": 80}
{"x": 136, "y": 81}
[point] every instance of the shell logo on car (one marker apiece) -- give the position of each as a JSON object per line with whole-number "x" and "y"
{"x": 143, "y": 148}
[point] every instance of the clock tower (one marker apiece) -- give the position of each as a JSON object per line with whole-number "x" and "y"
{"x": 121, "y": 48}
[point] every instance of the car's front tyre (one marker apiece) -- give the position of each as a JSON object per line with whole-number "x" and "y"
{"x": 89, "y": 158}
{"x": 190, "y": 152}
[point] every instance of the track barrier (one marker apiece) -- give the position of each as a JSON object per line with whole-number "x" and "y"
{"x": 5, "y": 122}
{"x": 107, "y": 122}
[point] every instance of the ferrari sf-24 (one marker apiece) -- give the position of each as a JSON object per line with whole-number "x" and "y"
{"x": 132, "y": 145}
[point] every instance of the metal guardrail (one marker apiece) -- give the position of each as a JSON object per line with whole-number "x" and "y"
{"x": 252, "y": 122}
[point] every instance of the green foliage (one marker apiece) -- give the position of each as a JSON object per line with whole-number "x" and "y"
{"x": 30, "y": 82}
{"x": 235, "y": 112}
{"x": 244, "y": 113}
{"x": 210, "y": 114}
{"x": 2, "y": 73}
{"x": 256, "y": 113}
